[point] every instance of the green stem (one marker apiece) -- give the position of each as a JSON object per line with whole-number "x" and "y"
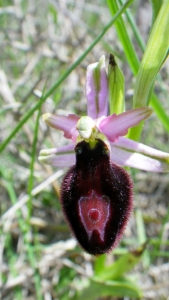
{"x": 63, "y": 77}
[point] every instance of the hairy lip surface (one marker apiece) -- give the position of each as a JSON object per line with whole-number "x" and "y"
{"x": 96, "y": 197}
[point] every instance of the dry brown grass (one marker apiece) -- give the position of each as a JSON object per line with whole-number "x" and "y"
{"x": 39, "y": 259}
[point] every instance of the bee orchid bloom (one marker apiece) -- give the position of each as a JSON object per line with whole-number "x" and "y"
{"x": 96, "y": 192}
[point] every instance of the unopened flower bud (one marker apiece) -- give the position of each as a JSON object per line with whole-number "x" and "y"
{"x": 115, "y": 87}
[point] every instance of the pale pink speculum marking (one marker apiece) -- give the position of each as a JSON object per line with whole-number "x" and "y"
{"x": 94, "y": 213}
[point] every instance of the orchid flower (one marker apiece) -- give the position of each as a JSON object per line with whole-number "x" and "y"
{"x": 96, "y": 193}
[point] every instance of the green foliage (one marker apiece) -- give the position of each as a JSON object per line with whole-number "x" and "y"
{"x": 153, "y": 58}
{"x": 62, "y": 78}
{"x": 156, "y": 5}
{"x": 118, "y": 288}
{"x": 110, "y": 280}
{"x": 47, "y": 45}
{"x": 122, "y": 265}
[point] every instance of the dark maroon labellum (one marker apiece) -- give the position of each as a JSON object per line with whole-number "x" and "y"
{"x": 96, "y": 197}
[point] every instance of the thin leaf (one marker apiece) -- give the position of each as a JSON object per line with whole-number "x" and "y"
{"x": 130, "y": 52}
{"x": 33, "y": 155}
{"x": 153, "y": 58}
{"x": 63, "y": 77}
{"x": 141, "y": 232}
{"x": 119, "y": 288}
{"x": 124, "y": 38}
{"x": 156, "y": 5}
{"x": 122, "y": 265}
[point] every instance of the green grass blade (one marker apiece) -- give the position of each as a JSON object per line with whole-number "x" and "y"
{"x": 33, "y": 155}
{"x": 124, "y": 38}
{"x": 64, "y": 76}
{"x": 160, "y": 112}
{"x": 134, "y": 27}
{"x": 154, "y": 56}
{"x": 156, "y": 5}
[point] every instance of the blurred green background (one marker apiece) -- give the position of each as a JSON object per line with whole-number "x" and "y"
{"x": 39, "y": 259}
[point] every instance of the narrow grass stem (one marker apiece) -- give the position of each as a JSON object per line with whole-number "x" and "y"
{"x": 63, "y": 77}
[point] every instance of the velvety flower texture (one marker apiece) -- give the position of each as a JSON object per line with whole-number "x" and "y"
{"x": 96, "y": 192}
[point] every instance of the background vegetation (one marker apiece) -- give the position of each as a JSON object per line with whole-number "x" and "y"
{"x": 46, "y": 47}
